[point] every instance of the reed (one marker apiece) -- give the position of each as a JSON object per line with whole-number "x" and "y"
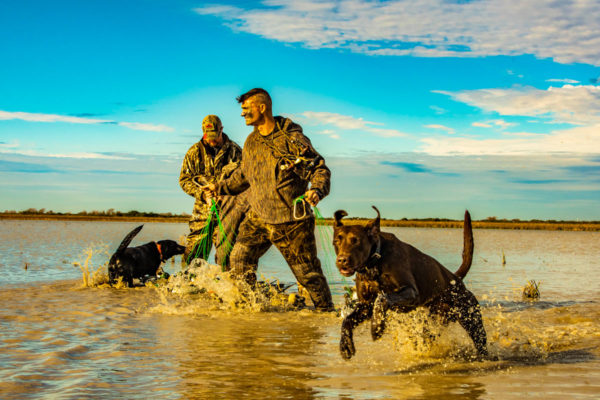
{"x": 531, "y": 291}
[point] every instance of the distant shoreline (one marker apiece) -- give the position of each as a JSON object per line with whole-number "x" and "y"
{"x": 593, "y": 226}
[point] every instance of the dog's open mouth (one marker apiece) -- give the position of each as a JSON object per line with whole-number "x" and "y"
{"x": 346, "y": 271}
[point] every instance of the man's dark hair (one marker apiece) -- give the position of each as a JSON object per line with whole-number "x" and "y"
{"x": 263, "y": 95}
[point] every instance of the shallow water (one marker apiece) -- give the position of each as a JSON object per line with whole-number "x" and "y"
{"x": 61, "y": 340}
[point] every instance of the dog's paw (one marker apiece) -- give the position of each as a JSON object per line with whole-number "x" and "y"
{"x": 378, "y": 318}
{"x": 347, "y": 349}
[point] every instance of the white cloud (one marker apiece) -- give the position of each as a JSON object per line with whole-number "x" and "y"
{"x": 438, "y": 110}
{"x": 78, "y": 155}
{"x": 501, "y": 123}
{"x": 329, "y": 132}
{"x": 570, "y": 81}
{"x": 351, "y": 123}
{"x": 146, "y": 127}
{"x": 566, "y": 104}
{"x": 510, "y": 72}
{"x": 440, "y": 127}
{"x": 577, "y": 105}
{"x": 564, "y": 31}
{"x": 579, "y": 140}
{"x": 35, "y": 117}
{"x": 490, "y": 124}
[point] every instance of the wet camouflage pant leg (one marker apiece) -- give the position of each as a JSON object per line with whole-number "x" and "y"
{"x": 232, "y": 211}
{"x": 297, "y": 244}
{"x": 251, "y": 244}
{"x": 295, "y": 241}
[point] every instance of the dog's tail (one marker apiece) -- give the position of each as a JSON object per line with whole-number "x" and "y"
{"x": 126, "y": 241}
{"x": 467, "y": 248}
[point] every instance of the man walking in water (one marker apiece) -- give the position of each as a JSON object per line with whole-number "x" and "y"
{"x": 278, "y": 164}
{"x": 211, "y": 160}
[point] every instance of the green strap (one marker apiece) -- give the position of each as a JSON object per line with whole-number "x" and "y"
{"x": 223, "y": 234}
{"x": 203, "y": 246}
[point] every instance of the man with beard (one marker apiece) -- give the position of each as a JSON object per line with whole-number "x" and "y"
{"x": 211, "y": 160}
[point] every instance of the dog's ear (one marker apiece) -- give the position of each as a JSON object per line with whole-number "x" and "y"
{"x": 373, "y": 226}
{"x": 338, "y": 215}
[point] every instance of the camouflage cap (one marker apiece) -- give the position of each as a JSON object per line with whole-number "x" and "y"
{"x": 211, "y": 127}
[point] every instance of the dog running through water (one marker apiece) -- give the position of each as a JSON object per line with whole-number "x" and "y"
{"x": 393, "y": 275}
{"x": 137, "y": 262}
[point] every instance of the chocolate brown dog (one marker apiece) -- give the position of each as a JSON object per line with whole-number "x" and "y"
{"x": 137, "y": 262}
{"x": 391, "y": 274}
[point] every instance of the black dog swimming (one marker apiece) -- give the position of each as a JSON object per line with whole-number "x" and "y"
{"x": 137, "y": 262}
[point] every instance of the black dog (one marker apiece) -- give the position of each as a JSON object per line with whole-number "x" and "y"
{"x": 394, "y": 275}
{"x": 137, "y": 262}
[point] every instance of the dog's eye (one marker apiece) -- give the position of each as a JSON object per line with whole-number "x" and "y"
{"x": 353, "y": 240}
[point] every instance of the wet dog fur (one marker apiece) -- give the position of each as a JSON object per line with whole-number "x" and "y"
{"x": 393, "y": 275}
{"x": 136, "y": 262}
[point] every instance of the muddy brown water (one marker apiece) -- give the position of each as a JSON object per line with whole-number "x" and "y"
{"x": 60, "y": 339}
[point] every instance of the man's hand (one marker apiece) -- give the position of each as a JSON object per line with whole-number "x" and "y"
{"x": 209, "y": 193}
{"x": 312, "y": 197}
{"x": 208, "y": 197}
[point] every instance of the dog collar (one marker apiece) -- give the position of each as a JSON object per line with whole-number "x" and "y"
{"x": 376, "y": 256}
{"x": 371, "y": 264}
{"x": 159, "y": 251}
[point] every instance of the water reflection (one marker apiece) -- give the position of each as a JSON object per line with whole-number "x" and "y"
{"x": 236, "y": 357}
{"x": 58, "y": 340}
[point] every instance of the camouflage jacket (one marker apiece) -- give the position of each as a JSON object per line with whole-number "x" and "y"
{"x": 276, "y": 169}
{"x": 198, "y": 163}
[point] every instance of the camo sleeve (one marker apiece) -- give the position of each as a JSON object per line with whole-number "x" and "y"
{"x": 235, "y": 184}
{"x": 189, "y": 169}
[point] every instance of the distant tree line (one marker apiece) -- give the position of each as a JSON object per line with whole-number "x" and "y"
{"x": 489, "y": 221}
{"x": 108, "y": 213}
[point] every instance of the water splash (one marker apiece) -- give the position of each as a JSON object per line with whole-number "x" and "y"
{"x": 203, "y": 288}
{"x": 94, "y": 276}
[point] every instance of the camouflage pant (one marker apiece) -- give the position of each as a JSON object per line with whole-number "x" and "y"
{"x": 295, "y": 241}
{"x": 232, "y": 210}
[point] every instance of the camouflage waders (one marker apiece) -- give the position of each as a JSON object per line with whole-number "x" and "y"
{"x": 295, "y": 241}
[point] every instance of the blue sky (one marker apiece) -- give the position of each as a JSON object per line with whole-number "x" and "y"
{"x": 421, "y": 108}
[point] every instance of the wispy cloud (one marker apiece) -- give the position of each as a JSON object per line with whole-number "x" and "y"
{"x": 329, "y": 133}
{"x": 576, "y": 105}
{"x": 351, "y": 123}
{"x": 569, "y": 81}
{"x": 567, "y": 104}
{"x": 564, "y": 31}
{"x": 493, "y": 123}
{"x": 513, "y": 73}
{"x": 580, "y": 140}
{"x": 138, "y": 126}
{"x": 78, "y": 155}
{"x": 438, "y": 110}
{"x": 36, "y": 117}
{"x": 440, "y": 127}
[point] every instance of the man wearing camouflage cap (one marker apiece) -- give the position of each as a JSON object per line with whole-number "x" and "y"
{"x": 211, "y": 160}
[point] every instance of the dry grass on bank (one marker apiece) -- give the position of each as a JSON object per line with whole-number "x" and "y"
{"x": 418, "y": 223}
